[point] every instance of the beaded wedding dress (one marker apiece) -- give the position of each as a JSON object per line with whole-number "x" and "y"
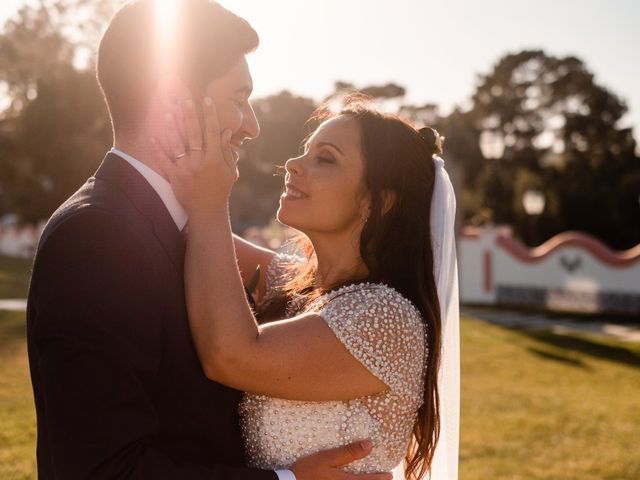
{"x": 384, "y": 332}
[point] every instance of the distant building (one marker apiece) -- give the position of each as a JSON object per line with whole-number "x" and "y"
{"x": 18, "y": 240}
{"x": 572, "y": 271}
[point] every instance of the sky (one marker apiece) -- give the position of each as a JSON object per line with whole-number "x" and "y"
{"x": 434, "y": 48}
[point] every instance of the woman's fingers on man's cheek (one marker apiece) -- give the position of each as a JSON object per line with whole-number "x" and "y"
{"x": 174, "y": 138}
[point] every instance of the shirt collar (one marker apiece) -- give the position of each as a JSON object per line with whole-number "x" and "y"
{"x": 161, "y": 186}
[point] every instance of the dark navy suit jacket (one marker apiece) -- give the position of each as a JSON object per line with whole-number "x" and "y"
{"x": 119, "y": 390}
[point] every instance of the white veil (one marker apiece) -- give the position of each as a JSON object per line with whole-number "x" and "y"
{"x": 445, "y": 270}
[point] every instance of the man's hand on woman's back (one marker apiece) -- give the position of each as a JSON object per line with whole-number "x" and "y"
{"x": 326, "y": 465}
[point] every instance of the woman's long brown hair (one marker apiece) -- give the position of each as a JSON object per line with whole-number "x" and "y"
{"x": 395, "y": 245}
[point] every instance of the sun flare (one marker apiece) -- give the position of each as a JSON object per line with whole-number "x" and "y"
{"x": 165, "y": 33}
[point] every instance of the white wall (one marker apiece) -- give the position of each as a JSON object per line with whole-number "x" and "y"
{"x": 565, "y": 273}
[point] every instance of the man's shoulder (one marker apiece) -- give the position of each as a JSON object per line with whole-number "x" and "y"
{"x": 96, "y": 198}
{"x": 94, "y": 209}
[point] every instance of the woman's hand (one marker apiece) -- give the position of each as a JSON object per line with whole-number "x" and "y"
{"x": 202, "y": 173}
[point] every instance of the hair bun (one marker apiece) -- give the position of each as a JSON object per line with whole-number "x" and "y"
{"x": 434, "y": 141}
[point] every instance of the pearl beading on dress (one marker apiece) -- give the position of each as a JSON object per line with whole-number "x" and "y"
{"x": 383, "y": 331}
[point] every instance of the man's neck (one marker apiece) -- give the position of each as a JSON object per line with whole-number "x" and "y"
{"x": 143, "y": 160}
{"x": 141, "y": 151}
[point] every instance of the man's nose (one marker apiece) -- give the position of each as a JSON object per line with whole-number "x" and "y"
{"x": 250, "y": 125}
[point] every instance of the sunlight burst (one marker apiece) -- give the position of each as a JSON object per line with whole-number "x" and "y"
{"x": 165, "y": 33}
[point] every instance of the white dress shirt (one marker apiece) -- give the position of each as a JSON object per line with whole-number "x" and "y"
{"x": 161, "y": 186}
{"x": 180, "y": 217}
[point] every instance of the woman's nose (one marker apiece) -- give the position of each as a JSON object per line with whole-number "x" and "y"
{"x": 293, "y": 165}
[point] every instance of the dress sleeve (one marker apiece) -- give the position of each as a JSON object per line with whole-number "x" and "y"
{"x": 384, "y": 332}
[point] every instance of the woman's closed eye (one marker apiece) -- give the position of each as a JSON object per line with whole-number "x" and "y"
{"x": 325, "y": 159}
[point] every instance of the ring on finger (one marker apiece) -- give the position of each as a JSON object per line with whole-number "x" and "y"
{"x": 182, "y": 155}
{"x": 196, "y": 149}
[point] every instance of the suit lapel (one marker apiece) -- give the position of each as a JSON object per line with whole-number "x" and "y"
{"x": 119, "y": 173}
{"x": 171, "y": 239}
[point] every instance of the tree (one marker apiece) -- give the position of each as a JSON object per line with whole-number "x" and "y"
{"x": 388, "y": 91}
{"x": 58, "y": 142}
{"x": 548, "y": 115}
{"x": 387, "y": 97}
{"x": 55, "y": 130}
{"x": 44, "y": 36}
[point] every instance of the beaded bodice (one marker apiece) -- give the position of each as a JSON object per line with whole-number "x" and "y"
{"x": 384, "y": 332}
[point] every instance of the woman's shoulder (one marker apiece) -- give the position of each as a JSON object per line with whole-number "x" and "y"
{"x": 382, "y": 329}
{"x": 369, "y": 299}
{"x": 370, "y": 292}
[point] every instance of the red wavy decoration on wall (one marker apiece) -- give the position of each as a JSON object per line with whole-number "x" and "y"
{"x": 592, "y": 245}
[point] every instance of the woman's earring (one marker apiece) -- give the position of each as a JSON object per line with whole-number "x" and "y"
{"x": 365, "y": 217}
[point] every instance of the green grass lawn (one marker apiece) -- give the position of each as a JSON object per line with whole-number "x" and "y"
{"x": 534, "y": 405}
{"x": 14, "y": 277}
{"x": 17, "y": 414}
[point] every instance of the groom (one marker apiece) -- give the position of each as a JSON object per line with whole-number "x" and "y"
{"x": 118, "y": 388}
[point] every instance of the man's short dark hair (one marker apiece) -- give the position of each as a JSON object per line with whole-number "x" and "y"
{"x": 208, "y": 40}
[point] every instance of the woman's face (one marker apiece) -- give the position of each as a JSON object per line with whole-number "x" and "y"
{"x": 324, "y": 187}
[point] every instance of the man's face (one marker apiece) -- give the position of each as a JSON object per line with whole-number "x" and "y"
{"x": 230, "y": 94}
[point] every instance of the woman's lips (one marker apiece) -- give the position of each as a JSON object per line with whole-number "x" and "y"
{"x": 293, "y": 193}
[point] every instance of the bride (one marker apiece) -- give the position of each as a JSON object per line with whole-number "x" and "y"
{"x": 357, "y": 336}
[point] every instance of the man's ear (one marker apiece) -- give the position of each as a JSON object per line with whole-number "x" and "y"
{"x": 389, "y": 198}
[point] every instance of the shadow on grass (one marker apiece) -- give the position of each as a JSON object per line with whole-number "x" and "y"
{"x": 616, "y": 318}
{"x": 585, "y": 346}
{"x": 574, "y": 362}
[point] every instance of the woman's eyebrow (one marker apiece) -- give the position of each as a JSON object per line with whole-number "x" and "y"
{"x": 321, "y": 144}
